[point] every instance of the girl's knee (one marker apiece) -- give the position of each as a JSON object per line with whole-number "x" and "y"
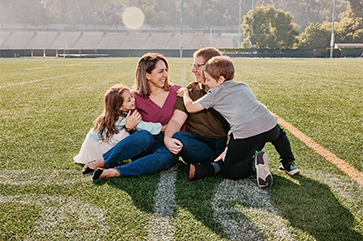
{"x": 145, "y": 135}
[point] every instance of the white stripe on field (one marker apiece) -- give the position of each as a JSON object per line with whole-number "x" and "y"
{"x": 160, "y": 224}
{"x": 41, "y": 177}
{"x": 245, "y": 212}
{"x": 55, "y": 77}
{"x": 63, "y": 218}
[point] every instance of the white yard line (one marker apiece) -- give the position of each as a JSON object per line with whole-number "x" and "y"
{"x": 58, "y": 214}
{"x": 245, "y": 212}
{"x": 160, "y": 227}
{"x": 351, "y": 171}
{"x": 55, "y": 77}
{"x": 41, "y": 177}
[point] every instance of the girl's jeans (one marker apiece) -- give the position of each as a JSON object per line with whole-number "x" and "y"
{"x": 148, "y": 153}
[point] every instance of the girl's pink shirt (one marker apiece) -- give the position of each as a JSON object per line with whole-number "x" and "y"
{"x": 151, "y": 112}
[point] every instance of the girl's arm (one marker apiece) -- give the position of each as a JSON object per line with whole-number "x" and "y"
{"x": 191, "y": 106}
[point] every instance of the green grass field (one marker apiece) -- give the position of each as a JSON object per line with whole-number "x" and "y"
{"x": 48, "y": 105}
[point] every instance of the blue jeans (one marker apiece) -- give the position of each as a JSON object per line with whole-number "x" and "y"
{"x": 148, "y": 153}
{"x": 199, "y": 149}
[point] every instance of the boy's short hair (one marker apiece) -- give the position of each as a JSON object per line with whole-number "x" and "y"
{"x": 220, "y": 66}
{"x": 207, "y": 53}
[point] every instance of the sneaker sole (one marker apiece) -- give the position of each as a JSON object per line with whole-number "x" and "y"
{"x": 263, "y": 174}
{"x": 191, "y": 172}
{"x": 291, "y": 173}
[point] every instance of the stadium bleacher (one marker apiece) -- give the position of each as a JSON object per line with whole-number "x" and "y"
{"x": 88, "y": 40}
{"x": 41, "y": 40}
{"x": 17, "y": 40}
{"x": 111, "y": 40}
{"x": 3, "y": 37}
{"x": 65, "y": 40}
{"x": 134, "y": 41}
{"x": 157, "y": 41}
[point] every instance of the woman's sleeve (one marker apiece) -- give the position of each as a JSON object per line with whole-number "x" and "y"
{"x": 153, "y": 128}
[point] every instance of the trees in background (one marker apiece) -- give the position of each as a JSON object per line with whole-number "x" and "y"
{"x": 272, "y": 28}
{"x": 197, "y": 13}
{"x": 355, "y": 8}
{"x": 306, "y": 12}
{"x": 268, "y": 27}
{"x": 348, "y": 30}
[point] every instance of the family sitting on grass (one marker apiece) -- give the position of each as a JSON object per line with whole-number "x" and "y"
{"x": 215, "y": 125}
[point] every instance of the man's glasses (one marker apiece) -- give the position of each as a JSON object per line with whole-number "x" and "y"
{"x": 197, "y": 66}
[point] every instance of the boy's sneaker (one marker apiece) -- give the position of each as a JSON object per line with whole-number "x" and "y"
{"x": 200, "y": 170}
{"x": 263, "y": 174}
{"x": 290, "y": 168}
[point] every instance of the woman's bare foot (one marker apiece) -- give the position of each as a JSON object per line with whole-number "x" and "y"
{"x": 93, "y": 165}
{"x": 105, "y": 173}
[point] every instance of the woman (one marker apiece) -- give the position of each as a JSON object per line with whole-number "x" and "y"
{"x": 155, "y": 100}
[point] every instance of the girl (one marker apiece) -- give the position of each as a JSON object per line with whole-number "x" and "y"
{"x": 110, "y": 127}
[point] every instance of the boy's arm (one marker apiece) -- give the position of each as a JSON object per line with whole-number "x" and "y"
{"x": 191, "y": 106}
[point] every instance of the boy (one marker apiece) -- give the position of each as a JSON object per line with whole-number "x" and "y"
{"x": 252, "y": 125}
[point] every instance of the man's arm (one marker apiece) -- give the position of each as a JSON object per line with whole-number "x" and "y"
{"x": 174, "y": 125}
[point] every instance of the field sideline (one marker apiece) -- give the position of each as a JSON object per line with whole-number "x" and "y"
{"x": 48, "y": 106}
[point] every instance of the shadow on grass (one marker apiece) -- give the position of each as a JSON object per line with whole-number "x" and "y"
{"x": 196, "y": 197}
{"x": 312, "y": 207}
{"x": 141, "y": 189}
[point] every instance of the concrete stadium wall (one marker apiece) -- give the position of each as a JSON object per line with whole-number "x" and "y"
{"x": 90, "y": 53}
{"x": 94, "y": 53}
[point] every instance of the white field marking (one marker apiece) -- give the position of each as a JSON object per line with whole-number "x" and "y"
{"x": 160, "y": 227}
{"x": 44, "y": 67}
{"x": 42, "y": 177}
{"x": 55, "y": 77}
{"x": 63, "y": 218}
{"x": 245, "y": 212}
{"x": 351, "y": 171}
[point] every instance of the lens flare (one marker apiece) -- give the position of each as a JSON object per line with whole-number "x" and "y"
{"x": 133, "y": 17}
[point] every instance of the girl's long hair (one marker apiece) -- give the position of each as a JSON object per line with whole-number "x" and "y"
{"x": 113, "y": 101}
{"x": 145, "y": 65}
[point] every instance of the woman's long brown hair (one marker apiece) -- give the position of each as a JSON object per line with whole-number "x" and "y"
{"x": 145, "y": 65}
{"x": 113, "y": 101}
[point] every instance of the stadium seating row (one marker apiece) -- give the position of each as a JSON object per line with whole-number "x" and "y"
{"x": 112, "y": 40}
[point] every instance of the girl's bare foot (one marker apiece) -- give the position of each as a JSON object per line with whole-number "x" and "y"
{"x": 105, "y": 173}
{"x": 93, "y": 165}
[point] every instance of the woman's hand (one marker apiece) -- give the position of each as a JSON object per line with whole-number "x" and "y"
{"x": 132, "y": 119}
{"x": 163, "y": 128}
{"x": 181, "y": 91}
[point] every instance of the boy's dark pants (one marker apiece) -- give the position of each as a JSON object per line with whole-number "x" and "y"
{"x": 239, "y": 157}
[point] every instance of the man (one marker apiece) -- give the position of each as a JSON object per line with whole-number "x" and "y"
{"x": 207, "y": 131}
